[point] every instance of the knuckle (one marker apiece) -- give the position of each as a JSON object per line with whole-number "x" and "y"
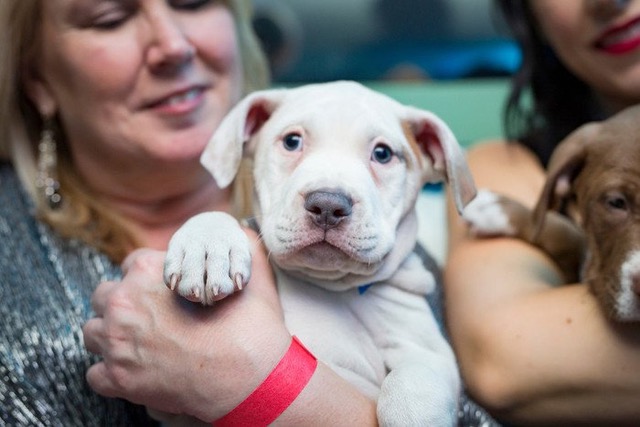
{"x": 122, "y": 380}
{"x": 144, "y": 260}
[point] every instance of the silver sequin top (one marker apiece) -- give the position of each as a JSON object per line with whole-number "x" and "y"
{"x": 45, "y": 289}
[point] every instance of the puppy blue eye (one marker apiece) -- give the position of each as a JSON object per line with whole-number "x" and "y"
{"x": 382, "y": 153}
{"x": 292, "y": 141}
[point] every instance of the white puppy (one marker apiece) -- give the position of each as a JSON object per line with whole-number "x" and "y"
{"x": 337, "y": 171}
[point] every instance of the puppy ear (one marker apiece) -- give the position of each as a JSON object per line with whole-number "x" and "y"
{"x": 565, "y": 165}
{"x": 446, "y": 158}
{"x": 222, "y": 155}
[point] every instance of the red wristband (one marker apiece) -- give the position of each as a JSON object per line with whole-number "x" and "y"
{"x": 277, "y": 391}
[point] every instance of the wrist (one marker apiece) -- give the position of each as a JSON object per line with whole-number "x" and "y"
{"x": 327, "y": 400}
{"x": 277, "y": 391}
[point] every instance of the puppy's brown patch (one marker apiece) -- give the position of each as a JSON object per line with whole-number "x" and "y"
{"x": 413, "y": 144}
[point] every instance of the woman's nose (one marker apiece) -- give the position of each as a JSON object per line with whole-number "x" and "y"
{"x": 605, "y": 9}
{"x": 170, "y": 46}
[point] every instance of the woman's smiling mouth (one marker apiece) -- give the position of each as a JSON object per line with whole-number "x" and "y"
{"x": 180, "y": 102}
{"x": 621, "y": 39}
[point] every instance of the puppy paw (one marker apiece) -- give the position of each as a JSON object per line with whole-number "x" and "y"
{"x": 489, "y": 215}
{"x": 419, "y": 394}
{"x": 208, "y": 258}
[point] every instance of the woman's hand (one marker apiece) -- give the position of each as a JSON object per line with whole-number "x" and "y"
{"x": 164, "y": 352}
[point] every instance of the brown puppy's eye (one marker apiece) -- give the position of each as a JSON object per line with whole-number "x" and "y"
{"x": 616, "y": 202}
{"x": 292, "y": 141}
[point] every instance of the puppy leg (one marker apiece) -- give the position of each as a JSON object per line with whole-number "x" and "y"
{"x": 493, "y": 215}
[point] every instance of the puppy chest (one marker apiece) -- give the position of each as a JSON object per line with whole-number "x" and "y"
{"x": 326, "y": 324}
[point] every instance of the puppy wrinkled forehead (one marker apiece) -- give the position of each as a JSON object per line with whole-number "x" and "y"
{"x": 343, "y": 105}
{"x": 613, "y": 151}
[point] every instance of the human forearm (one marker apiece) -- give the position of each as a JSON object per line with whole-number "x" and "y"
{"x": 532, "y": 353}
{"x": 329, "y": 400}
{"x": 573, "y": 368}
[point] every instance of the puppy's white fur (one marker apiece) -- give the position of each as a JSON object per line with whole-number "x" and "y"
{"x": 486, "y": 216}
{"x": 376, "y": 154}
{"x": 627, "y": 301}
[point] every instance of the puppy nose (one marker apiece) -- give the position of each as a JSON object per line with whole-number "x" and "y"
{"x": 328, "y": 208}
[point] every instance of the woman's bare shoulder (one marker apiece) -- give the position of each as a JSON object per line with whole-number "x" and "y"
{"x": 500, "y": 147}
{"x": 506, "y": 167}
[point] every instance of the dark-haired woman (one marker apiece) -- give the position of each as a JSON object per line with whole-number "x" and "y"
{"x": 532, "y": 350}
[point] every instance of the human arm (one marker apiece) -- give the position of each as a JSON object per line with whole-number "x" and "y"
{"x": 531, "y": 350}
{"x": 164, "y": 352}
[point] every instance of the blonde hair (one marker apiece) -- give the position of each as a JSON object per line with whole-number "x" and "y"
{"x": 83, "y": 216}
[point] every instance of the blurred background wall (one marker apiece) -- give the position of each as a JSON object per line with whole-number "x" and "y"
{"x": 371, "y": 40}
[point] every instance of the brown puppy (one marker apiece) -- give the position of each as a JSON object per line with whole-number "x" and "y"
{"x": 588, "y": 216}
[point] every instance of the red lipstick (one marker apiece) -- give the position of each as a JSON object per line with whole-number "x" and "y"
{"x": 620, "y": 39}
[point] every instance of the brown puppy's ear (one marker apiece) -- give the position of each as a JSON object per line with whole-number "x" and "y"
{"x": 564, "y": 166}
{"x": 222, "y": 155}
{"x": 447, "y": 160}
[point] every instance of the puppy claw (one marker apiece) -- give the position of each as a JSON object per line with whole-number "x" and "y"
{"x": 238, "y": 279}
{"x": 193, "y": 295}
{"x": 173, "y": 282}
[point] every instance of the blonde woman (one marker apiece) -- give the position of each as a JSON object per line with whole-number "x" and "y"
{"x": 105, "y": 107}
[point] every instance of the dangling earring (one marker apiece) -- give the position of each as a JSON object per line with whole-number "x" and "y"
{"x": 47, "y": 179}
